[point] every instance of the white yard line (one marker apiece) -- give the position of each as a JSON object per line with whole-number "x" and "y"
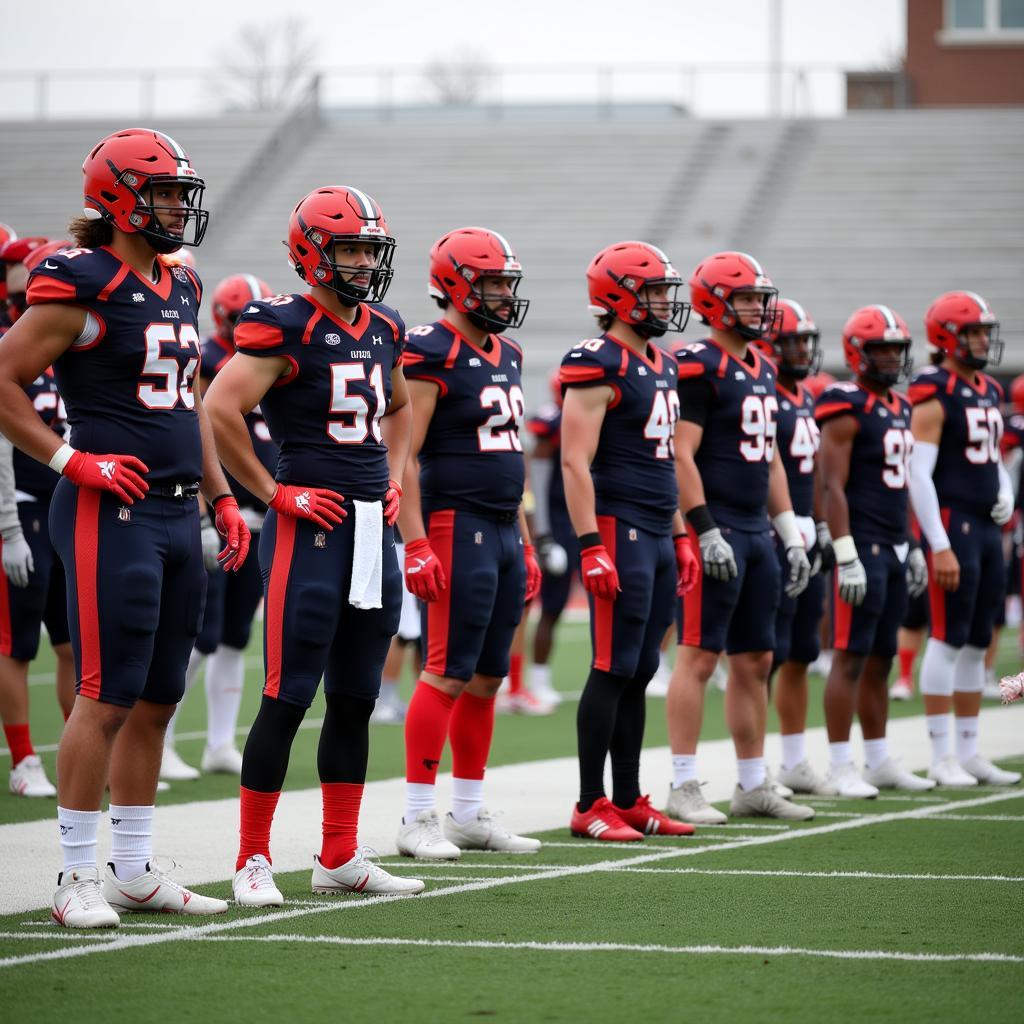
{"x": 218, "y": 927}
{"x": 893, "y": 875}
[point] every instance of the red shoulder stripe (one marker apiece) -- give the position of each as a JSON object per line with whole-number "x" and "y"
{"x": 824, "y": 412}
{"x": 922, "y": 393}
{"x": 689, "y": 369}
{"x": 250, "y": 335}
{"x": 412, "y": 358}
{"x": 109, "y": 287}
{"x": 310, "y": 324}
{"x": 49, "y": 289}
{"x": 579, "y": 374}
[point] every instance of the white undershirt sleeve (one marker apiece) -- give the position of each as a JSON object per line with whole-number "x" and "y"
{"x": 923, "y": 495}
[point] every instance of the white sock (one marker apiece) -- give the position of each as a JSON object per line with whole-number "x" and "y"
{"x": 131, "y": 840}
{"x": 875, "y": 752}
{"x": 664, "y": 663}
{"x": 684, "y": 769}
{"x": 467, "y": 799}
{"x": 225, "y": 674}
{"x": 78, "y": 837}
{"x": 752, "y": 772}
{"x": 794, "y": 749}
{"x": 938, "y": 733}
{"x": 540, "y": 677}
{"x": 195, "y": 663}
{"x": 419, "y": 796}
{"x": 839, "y": 754}
{"x": 966, "y": 738}
{"x": 388, "y": 691}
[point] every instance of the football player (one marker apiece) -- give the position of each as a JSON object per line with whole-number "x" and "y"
{"x": 864, "y": 464}
{"x": 467, "y": 551}
{"x": 231, "y": 600}
{"x": 729, "y": 482}
{"x": 325, "y": 369}
{"x": 619, "y": 413}
{"x": 120, "y": 329}
{"x": 962, "y": 496}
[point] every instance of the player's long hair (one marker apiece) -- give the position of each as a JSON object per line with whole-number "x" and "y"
{"x": 91, "y": 234}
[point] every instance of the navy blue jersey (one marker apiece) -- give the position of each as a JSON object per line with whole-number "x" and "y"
{"x": 877, "y": 487}
{"x": 324, "y": 412}
{"x": 472, "y": 456}
{"x": 32, "y": 477}
{"x": 546, "y": 424}
{"x": 127, "y": 379}
{"x": 798, "y": 439}
{"x": 739, "y": 437}
{"x": 967, "y": 470}
{"x": 216, "y": 352}
{"x": 634, "y": 466}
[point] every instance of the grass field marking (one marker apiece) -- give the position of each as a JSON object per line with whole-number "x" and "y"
{"x": 216, "y": 927}
{"x": 983, "y": 817}
{"x": 625, "y": 947}
{"x": 782, "y": 873}
{"x": 62, "y": 933}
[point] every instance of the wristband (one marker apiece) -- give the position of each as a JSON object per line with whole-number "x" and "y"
{"x": 226, "y": 494}
{"x": 789, "y": 533}
{"x": 676, "y": 536}
{"x": 589, "y": 540}
{"x": 60, "y": 458}
{"x": 700, "y": 519}
{"x": 845, "y": 549}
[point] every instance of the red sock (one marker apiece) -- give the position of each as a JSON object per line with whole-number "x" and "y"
{"x": 341, "y": 821}
{"x": 470, "y": 732}
{"x": 256, "y": 814}
{"x": 19, "y": 742}
{"x": 515, "y": 674}
{"x": 906, "y": 662}
{"x": 426, "y": 728}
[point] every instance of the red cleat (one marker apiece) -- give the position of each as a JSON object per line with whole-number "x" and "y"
{"x": 602, "y": 821}
{"x": 644, "y": 818}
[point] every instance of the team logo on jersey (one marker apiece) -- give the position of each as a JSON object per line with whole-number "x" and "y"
{"x": 514, "y": 363}
{"x": 302, "y": 501}
{"x": 252, "y": 309}
{"x": 179, "y": 273}
{"x": 740, "y": 375}
{"x": 124, "y": 513}
{"x": 966, "y": 392}
{"x": 332, "y": 339}
{"x": 474, "y": 361}
{"x": 319, "y": 539}
{"x": 138, "y": 297}
{"x": 632, "y": 534}
{"x": 478, "y": 537}
{"x": 378, "y": 340}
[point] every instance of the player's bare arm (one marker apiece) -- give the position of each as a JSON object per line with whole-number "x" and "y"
{"x": 778, "y": 488}
{"x": 688, "y": 437}
{"x": 213, "y": 483}
{"x": 926, "y": 423}
{"x": 583, "y": 413}
{"x": 396, "y": 427}
{"x": 423, "y": 399}
{"x": 834, "y": 467}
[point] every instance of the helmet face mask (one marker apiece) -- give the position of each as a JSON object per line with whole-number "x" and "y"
{"x": 876, "y": 345}
{"x": 798, "y": 355}
{"x": 960, "y": 326}
{"x": 654, "y": 316}
{"x": 887, "y": 362}
{"x": 495, "y": 309}
{"x": 723, "y": 278}
{"x": 993, "y": 351}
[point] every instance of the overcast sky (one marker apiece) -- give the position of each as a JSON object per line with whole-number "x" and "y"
{"x": 406, "y": 34}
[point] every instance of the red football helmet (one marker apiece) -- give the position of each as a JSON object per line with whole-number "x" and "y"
{"x": 950, "y": 315}
{"x": 1017, "y": 393}
{"x": 617, "y": 275}
{"x": 121, "y": 174}
{"x": 718, "y": 278}
{"x": 327, "y": 217}
{"x": 7, "y": 234}
{"x": 872, "y": 327}
{"x": 231, "y": 296}
{"x": 41, "y": 252}
{"x": 818, "y": 382}
{"x": 13, "y": 252}
{"x": 458, "y": 263}
{"x": 793, "y": 327}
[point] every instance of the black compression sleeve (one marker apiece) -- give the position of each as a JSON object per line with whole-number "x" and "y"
{"x": 695, "y": 396}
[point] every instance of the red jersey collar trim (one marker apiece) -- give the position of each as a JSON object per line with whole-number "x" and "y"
{"x": 978, "y": 384}
{"x": 161, "y": 287}
{"x": 655, "y": 364}
{"x": 493, "y": 357}
{"x": 797, "y": 397}
{"x": 890, "y": 401}
{"x": 354, "y": 329}
{"x": 754, "y": 368}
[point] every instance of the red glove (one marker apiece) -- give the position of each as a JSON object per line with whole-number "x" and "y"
{"x": 424, "y": 576}
{"x": 317, "y": 504}
{"x": 533, "y": 574}
{"x": 392, "y": 500}
{"x": 120, "y": 474}
{"x": 600, "y": 577}
{"x": 231, "y": 526}
{"x": 688, "y": 564}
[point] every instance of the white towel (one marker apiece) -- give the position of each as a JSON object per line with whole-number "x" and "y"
{"x": 367, "y": 555}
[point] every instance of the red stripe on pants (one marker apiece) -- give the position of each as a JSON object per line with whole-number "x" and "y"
{"x": 277, "y": 590}
{"x": 441, "y": 534}
{"x": 842, "y": 616}
{"x": 87, "y": 541}
{"x": 693, "y": 601}
{"x": 604, "y": 609}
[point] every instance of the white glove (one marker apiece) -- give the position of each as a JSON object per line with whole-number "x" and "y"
{"x": 17, "y": 558}
{"x": 551, "y": 555}
{"x": 853, "y": 579}
{"x": 1002, "y": 510}
{"x": 917, "y": 572}
{"x": 252, "y": 518}
{"x": 826, "y": 557}
{"x": 799, "y": 571}
{"x": 212, "y": 544}
{"x": 717, "y": 556}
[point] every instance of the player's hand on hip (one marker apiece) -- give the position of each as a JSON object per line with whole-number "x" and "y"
{"x": 122, "y": 475}
{"x": 209, "y": 538}
{"x": 799, "y": 571}
{"x": 17, "y": 557}
{"x": 231, "y": 525}
{"x": 317, "y": 504}
{"x": 551, "y": 555}
{"x": 392, "y": 502}
{"x": 424, "y": 575}
{"x": 687, "y": 563}
{"x": 533, "y": 573}
{"x": 946, "y": 569}
{"x": 598, "y": 572}
{"x": 717, "y": 556}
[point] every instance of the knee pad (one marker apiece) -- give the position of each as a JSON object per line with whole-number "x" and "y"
{"x": 969, "y": 671}
{"x": 140, "y": 600}
{"x": 937, "y": 668}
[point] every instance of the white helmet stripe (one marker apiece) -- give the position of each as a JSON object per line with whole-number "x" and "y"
{"x": 982, "y": 305}
{"x": 254, "y": 286}
{"x": 757, "y": 266}
{"x": 179, "y": 153}
{"x": 369, "y": 211}
{"x": 509, "y": 254}
{"x": 890, "y": 320}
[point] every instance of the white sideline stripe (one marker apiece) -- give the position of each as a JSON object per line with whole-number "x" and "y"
{"x": 893, "y": 876}
{"x": 625, "y": 947}
{"x": 68, "y": 933}
{"x": 982, "y": 817}
{"x": 215, "y": 928}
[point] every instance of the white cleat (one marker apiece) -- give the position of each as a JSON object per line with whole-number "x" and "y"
{"x": 361, "y": 875}
{"x": 844, "y": 780}
{"x": 991, "y": 691}
{"x": 687, "y": 803}
{"x": 764, "y": 802}
{"x": 485, "y": 833}
{"x": 28, "y": 778}
{"x": 79, "y": 903}
{"x": 254, "y": 886}
{"x": 658, "y": 686}
{"x": 545, "y": 693}
{"x": 226, "y": 759}
{"x": 422, "y": 837}
{"x": 154, "y": 891}
{"x": 386, "y": 713}
{"x": 802, "y": 778}
{"x": 524, "y": 702}
{"x": 720, "y": 677}
{"x": 822, "y": 665}
{"x": 948, "y": 772}
{"x": 174, "y": 769}
{"x": 778, "y": 785}
{"x": 902, "y": 689}
{"x": 890, "y": 774}
{"x": 989, "y": 774}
